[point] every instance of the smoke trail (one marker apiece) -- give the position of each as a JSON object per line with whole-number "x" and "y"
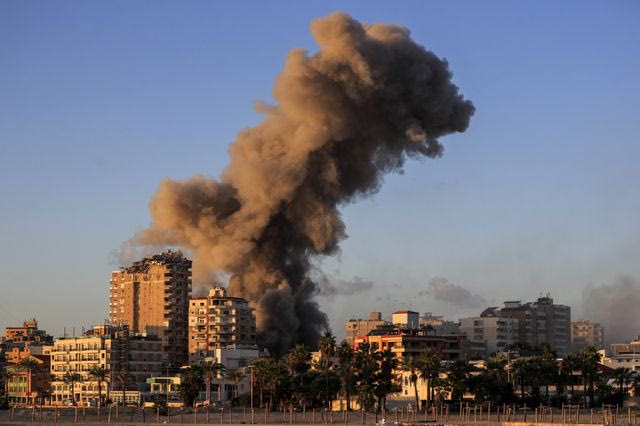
{"x": 615, "y": 307}
{"x": 346, "y": 115}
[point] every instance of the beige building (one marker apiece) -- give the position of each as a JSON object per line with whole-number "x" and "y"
{"x": 112, "y": 348}
{"x": 152, "y": 296}
{"x": 406, "y": 319}
{"x": 360, "y": 327}
{"x": 586, "y": 333}
{"x": 219, "y": 321}
{"x": 631, "y": 348}
{"x": 495, "y": 332}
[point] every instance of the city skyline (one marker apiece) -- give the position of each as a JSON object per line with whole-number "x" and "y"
{"x": 534, "y": 198}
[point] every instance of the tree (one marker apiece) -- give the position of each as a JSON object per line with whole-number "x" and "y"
{"x": 190, "y": 384}
{"x": 327, "y": 347}
{"x": 298, "y": 361}
{"x": 71, "y": 378}
{"x": 458, "y": 377}
{"x": 622, "y": 376}
{"x": 366, "y": 367}
{"x": 210, "y": 370}
{"x": 568, "y": 365}
{"x": 429, "y": 367}
{"x": 236, "y": 375}
{"x": 521, "y": 373}
{"x": 589, "y": 360}
{"x": 411, "y": 365}
{"x": 385, "y": 377}
{"x": 29, "y": 365}
{"x": 346, "y": 370}
{"x": 124, "y": 379}
{"x": 100, "y": 375}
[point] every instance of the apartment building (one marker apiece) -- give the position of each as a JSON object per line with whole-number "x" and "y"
{"x": 586, "y": 333}
{"x": 152, "y": 296}
{"x": 539, "y": 322}
{"x": 219, "y": 321}
{"x": 496, "y": 333}
{"x": 631, "y": 348}
{"x": 438, "y": 325}
{"x": 404, "y": 342}
{"x": 113, "y": 348}
{"x": 360, "y": 327}
{"x": 26, "y": 386}
{"x": 23, "y": 342}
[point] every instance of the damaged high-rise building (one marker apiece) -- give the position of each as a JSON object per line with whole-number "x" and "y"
{"x": 152, "y": 296}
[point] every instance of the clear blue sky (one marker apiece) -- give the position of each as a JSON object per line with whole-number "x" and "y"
{"x": 101, "y": 100}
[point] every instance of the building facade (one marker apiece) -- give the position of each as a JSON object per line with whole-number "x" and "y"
{"x": 29, "y": 385}
{"x": 539, "y": 322}
{"x": 110, "y": 347}
{"x": 631, "y": 348}
{"x": 23, "y": 342}
{"x": 219, "y": 321}
{"x": 360, "y": 327}
{"x": 586, "y": 333}
{"x": 152, "y": 296}
{"x": 409, "y": 342}
{"x": 496, "y": 332}
{"x": 438, "y": 324}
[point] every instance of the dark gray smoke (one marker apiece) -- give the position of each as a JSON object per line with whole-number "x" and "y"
{"x": 442, "y": 290}
{"x": 345, "y": 116}
{"x": 616, "y": 307}
{"x": 330, "y": 286}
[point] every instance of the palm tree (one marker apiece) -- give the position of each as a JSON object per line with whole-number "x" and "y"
{"x": 327, "y": 347}
{"x": 345, "y": 370}
{"x": 100, "y": 375}
{"x": 589, "y": 360}
{"x": 298, "y": 361}
{"x": 429, "y": 367}
{"x": 211, "y": 369}
{"x": 569, "y": 364}
{"x": 622, "y": 376}
{"x": 459, "y": 371}
{"x": 29, "y": 365}
{"x": 71, "y": 378}
{"x": 124, "y": 379}
{"x": 236, "y": 375}
{"x": 520, "y": 371}
{"x": 411, "y": 365}
{"x": 191, "y": 384}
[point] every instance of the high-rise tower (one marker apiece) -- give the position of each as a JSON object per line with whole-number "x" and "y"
{"x": 152, "y": 296}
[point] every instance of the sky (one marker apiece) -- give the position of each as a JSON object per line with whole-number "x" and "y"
{"x": 99, "y": 101}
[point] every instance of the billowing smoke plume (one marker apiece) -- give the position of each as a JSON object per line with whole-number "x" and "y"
{"x": 330, "y": 286}
{"x": 616, "y": 307}
{"x": 358, "y": 108}
{"x": 442, "y": 290}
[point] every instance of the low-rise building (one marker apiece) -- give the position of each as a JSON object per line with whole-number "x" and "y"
{"x": 407, "y": 342}
{"x": 110, "y": 347}
{"x": 28, "y": 384}
{"x": 629, "y": 348}
{"x": 438, "y": 324}
{"x": 362, "y": 327}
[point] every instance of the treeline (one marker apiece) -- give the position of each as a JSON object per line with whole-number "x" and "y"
{"x": 526, "y": 374}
